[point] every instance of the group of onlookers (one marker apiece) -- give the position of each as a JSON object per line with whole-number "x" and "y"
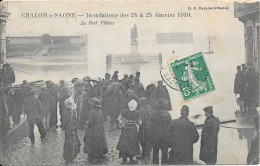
{"x": 245, "y": 87}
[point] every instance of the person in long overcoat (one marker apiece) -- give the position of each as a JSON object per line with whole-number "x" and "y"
{"x": 33, "y": 109}
{"x": 130, "y": 121}
{"x": 53, "y": 114}
{"x": 145, "y": 129}
{"x": 5, "y": 123}
{"x": 161, "y": 120}
{"x": 96, "y": 90}
{"x": 209, "y": 137}
{"x": 18, "y": 101}
{"x": 113, "y": 102}
{"x": 95, "y": 139}
{"x": 47, "y": 101}
{"x": 239, "y": 83}
{"x": 182, "y": 134}
{"x": 71, "y": 144}
{"x": 160, "y": 92}
{"x": 149, "y": 90}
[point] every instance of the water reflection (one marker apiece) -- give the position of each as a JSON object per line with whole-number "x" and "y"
{"x": 246, "y": 134}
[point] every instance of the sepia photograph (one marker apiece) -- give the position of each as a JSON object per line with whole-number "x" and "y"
{"x": 150, "y": 82}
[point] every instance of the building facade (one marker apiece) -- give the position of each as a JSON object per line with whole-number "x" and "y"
{"x": 46, "y": 45}
{"x": 3, "y": 19}
{"x": 248, "y": 14}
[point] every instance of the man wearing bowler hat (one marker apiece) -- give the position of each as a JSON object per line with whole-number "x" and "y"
{"x": 209, "y": 137}
{"x": 182, "y": 134}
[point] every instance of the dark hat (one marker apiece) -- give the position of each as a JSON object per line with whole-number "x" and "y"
{"x": 131, "y": 76}
{"x": 87, "y": 78}
{"x": 95, "y": 80}
{"x": 31, "y": 92}
{"x": 95, "y": 102}
{"x": 116, "y": 72}
{"x": 24, "y": 81}
{"x": 160, "y": 81}
{"x": 137, "y": 73}
{"x": 207, "y": 108}
{"x": 79, "y": 82}
{"x": 185, "y": 108}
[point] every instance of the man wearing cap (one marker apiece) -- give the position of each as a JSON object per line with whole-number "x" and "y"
{"x": 209, "y": 137}
{"x": 160, "y": 92}
{"x": 137, "y": 77}
{"x": 24, "y": 89}
{"x": 95, "y": 139}
{"x": 115, "y": 76}
{"x": 182, "y": 134}
{"x": 34, "y": 110}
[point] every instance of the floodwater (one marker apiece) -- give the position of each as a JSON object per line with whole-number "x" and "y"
{"x": 233, "y": 143}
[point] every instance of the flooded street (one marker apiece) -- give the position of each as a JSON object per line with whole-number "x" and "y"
{"x": 50, "y": 151}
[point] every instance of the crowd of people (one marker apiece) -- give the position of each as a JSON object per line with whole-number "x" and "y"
{"x": 141, "y": 114}
{"x": 245, "y": 85}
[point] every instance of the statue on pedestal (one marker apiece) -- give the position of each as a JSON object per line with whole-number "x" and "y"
{"x": 134, "y": 34}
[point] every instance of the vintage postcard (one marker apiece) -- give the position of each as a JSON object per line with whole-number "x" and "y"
{"x": 148, "y": 82}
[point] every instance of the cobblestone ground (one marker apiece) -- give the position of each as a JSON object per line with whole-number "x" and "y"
{"x": 50, "y": 151}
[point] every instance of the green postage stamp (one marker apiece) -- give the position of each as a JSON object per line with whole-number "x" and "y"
{"x": 192, "y": 76}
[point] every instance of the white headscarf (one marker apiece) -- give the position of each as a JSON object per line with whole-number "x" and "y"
{"x": 69, "y": 88}
{"x": 70, "y": 103}
{"x": 132, "y": 105}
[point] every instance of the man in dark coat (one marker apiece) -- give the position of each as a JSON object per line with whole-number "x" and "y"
{"x": 160, "y": 92}
{"x": 7, "y": 74}
{"x": 148, "y": 91}
{"x": 53, "y": 114}
{"x": 18, "y": 102}
{"x": 5, "y": 123}
{"x": 34, "y": 110}
{"x": 87, "y": 85}
{"x": 96, "y": 90}
{"x": 113, "y": 102}
{"x": 209, "y": 137}
{"x": 24, "y": 89}
{"x": 239, "y": 83}
{"x": 182, "y": 134}
{"x": 127, "y": 81}
{"x": 161, "y": 120}
{"x": 128, "y": 145}
{"x": 137, "y": 77}
{"x": 47, "y": 101}
{"x": 253, "y": 154}
{"x": 115, "y": 76}
{"x": 95, "y": 139}
{"x": 145, "y": 129}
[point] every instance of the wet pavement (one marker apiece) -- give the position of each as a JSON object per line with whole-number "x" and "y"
{"x": 50, "y": 151}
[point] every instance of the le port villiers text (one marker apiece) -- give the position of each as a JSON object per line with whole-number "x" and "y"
{"x": 104, "y": 22}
